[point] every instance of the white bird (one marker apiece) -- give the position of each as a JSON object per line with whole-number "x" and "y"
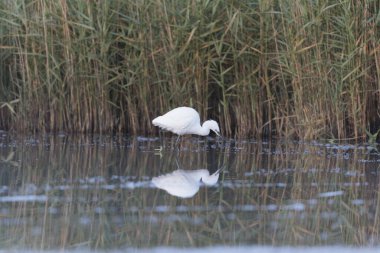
{"x": 185, "y": 120}
{"x": 185, "y": 183}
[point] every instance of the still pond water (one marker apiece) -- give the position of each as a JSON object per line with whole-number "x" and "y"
{"x": 117, "y": 192}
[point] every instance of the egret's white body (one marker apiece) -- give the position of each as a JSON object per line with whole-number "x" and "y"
{"x": 185, "y": 183}
{"x": 185, "y": 120}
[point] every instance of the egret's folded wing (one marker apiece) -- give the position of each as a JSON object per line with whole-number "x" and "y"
{"x": 175, "y": 123}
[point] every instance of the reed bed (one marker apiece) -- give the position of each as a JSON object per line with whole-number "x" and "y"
{"x": 297, "y": 69}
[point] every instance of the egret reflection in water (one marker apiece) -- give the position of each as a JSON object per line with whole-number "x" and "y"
{"x": 185, "y": 183}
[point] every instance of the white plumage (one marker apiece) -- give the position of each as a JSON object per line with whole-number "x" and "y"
{"x": 185, "y": 120}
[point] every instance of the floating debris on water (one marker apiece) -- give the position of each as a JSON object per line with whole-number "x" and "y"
{"x": 330, "y": 194}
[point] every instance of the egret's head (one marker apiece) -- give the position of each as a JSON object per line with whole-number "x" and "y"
{"x": 212, "y": 125}
{"x": 210, "y": 179}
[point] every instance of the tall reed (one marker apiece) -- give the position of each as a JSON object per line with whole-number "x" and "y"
{"x": 303, "y": 69}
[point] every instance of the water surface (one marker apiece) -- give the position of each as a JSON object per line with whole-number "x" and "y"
{"x": 96, "y": 192}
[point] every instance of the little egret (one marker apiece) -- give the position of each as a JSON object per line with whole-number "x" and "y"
{"x": 185, "y": 120}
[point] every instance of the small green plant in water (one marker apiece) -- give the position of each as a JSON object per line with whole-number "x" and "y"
{"x": 372, "y": 137}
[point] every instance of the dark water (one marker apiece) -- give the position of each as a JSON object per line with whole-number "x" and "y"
{"x": 97, "y": 192}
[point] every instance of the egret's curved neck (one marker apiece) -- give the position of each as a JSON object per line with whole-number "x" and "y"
{"x": 203, "y": 130}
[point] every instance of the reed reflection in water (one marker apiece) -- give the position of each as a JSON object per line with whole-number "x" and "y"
{"x": 97, "y": 192}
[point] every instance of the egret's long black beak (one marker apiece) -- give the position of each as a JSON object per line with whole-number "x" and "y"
{"x": 217, "y": 133}
{"x": 219, "y": 170}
